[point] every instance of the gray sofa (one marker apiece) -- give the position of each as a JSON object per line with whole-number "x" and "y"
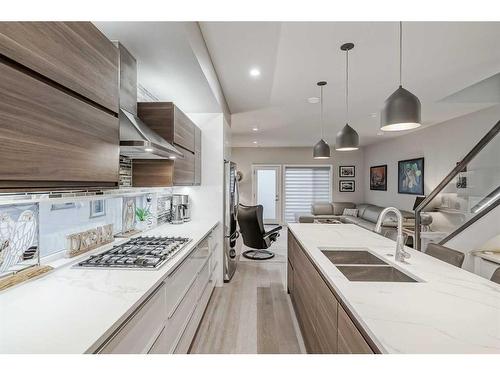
{"x": 367, "y": 215}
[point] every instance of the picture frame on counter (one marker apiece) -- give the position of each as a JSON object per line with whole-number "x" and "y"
{"x": 378, "y": 177}
{"x": 347, "y": 171}
{"x": 347, "y": 186}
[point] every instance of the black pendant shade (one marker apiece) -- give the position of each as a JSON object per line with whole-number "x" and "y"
{"x": 401, "y": 111}
{"x": 321, "y": 150}
{"x": 347, "y": 139}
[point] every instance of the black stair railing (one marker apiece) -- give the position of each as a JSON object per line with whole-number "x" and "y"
{"x": 488, "y": 203}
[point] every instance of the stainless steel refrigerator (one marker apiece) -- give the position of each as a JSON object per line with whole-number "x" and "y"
{"x": 231, "y": 201}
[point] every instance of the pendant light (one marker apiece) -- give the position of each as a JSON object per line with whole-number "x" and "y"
{"x": 321, "y": 149}
{"x": 402, "y": 109}
{"x": 347, "y": 138}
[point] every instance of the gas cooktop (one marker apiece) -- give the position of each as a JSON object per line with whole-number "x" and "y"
{"x": 138, "y": 253}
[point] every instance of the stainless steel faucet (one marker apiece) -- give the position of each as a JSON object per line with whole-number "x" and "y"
{"x": 400, "y": 254}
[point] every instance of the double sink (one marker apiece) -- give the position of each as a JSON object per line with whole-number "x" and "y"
{"x": 362, "y": 265}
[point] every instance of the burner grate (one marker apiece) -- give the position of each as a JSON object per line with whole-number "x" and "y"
{"x": 138, "y": 253}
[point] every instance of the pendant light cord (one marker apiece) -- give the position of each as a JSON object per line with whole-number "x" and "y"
{"x": 321, "y": 116}
{"x": 347, "y": 86}
{"x": 400, "y": 53}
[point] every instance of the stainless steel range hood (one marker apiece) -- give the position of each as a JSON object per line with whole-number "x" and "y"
{"x": 137, "y": 140}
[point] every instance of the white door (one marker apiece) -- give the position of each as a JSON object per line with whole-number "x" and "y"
{"x": 267, "y": 191}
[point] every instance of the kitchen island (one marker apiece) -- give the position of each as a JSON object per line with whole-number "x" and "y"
{"x": 78, "y": 310}
{"x": 444, "y": 309}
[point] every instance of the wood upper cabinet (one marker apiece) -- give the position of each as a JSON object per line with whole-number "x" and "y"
{"x": 75, "y": 55}
{"x": 52, "y": 139}
{"x": 172, "y": 124}
{"x": 128, "y": 80}
{"x": 152, "y": 173}
{"x": 184, "y": 169}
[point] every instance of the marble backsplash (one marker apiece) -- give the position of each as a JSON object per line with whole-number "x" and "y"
{"x": 55, "y": 221}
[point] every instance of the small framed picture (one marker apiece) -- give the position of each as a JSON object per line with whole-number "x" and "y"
{"x": 97, "y": 208}
{"x": 347, "y": 186}
{"x": 347, "y": 171}
{"x": 378, "y": 177}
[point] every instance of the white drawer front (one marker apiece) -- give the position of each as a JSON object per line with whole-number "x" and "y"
{"x": 180, "y": 316}
{"x": 203, "y": 278}
{"x": 139, "y": 333}
{"x": 160, "y": 346}
{"x": 179, "y": 281}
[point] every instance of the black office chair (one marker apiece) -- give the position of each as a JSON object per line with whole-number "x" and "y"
{"x": 252, "y": 231}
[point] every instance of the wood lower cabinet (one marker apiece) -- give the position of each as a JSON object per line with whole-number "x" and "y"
{"x": 350, "y": 340}
{"x": 75, "y": 55}
{"x": 305, "y": 283}
{"x": 52, "y": 139}
{"x": 325, "y": 326}
{"x": 326, "y": 319}
{"x": 289, "y": 275}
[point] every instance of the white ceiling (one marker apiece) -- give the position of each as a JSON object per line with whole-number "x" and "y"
{"x": 440, "y": 59}
{"x": 166, "y": 64}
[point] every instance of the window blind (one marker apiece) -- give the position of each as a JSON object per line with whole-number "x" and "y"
{"x": 304, "y": 186}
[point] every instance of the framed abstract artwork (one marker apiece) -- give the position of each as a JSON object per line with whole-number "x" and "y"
{"x": 411, "y": 176}
{"x": 346, "y": 186}
{"x": 378, "y": 177}
{"x": 347, "y": 171}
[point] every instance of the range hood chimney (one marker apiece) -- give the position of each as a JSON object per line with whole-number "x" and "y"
{"x": 137, "y": 140}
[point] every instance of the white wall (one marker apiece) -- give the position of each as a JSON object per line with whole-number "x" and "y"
{"x": 441, "y": 145}
{"x": 207, "y": 199}
{"x": 244, "y": 157}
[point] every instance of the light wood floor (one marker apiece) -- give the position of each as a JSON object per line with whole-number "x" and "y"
{"x": 251, "y": 314}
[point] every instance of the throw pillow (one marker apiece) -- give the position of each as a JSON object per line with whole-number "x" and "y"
{"x": 350, "y": 212}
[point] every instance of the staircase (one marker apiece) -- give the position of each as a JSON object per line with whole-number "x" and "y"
{"x": 464, "y": 205}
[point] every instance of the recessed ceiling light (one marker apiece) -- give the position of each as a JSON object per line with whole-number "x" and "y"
{"x": 254, "y": 72}
{"x": 313, "y": 100}
{"x": 172, "y": 157}
{"x": 148, "y": 149}
{"x": 255, "y": 129}
{"x": 255, "y": 142}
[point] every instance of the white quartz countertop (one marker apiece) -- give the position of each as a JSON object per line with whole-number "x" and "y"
{"x": 450, "y": 311}
{"x": 73, "y": 310}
